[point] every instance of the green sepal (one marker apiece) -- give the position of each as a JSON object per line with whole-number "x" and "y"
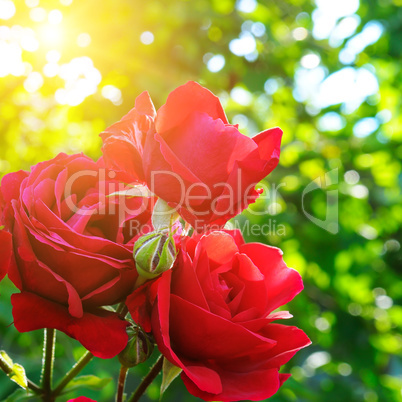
{"x": 169, "y": 373}
{"x": 134, "y": 191}
{"x": 163, "y": 216}
{"x": 139, "y": 347}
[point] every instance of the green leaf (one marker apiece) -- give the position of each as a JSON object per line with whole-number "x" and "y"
{"x": 169, "y": 372}
{"x": 20, "y": 395}
{"x": 17, "y": 372}
{"x": 18, "y": 375}
{"x": 87, "y": 381}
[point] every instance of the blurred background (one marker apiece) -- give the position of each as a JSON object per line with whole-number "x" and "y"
{"x": 327, "y": 72}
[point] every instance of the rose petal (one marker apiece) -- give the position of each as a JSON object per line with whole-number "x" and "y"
{"x": 289, "y": 340}
{"x": 255, "y": 295}
{"x": 207, "y": 378}
{"x": 204, "y": 149}
{"x": 186, "y": 284}
{"x": 32, "y": 274}
{"x": 102, "y": 332}
{"x": 179, "y": 168}
{"x": 219, "y": 246}
{"x": 254, "y": 386}
{"x": 123, "y": 142}
{"x": 120, "y": 152}
{"x": 198, "y": 334}
{"x": 282, "y": 283}
{"x": 269, "y": 147}
{"x": 144, "y": 105}
{"x": 188, "y": 98}
{"x": 10, "y": 185}
{"x": 5, "y": 252}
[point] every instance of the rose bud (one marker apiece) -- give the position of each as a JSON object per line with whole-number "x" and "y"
{"x": 154, "y": 254}
{"x": 139, "y": 347}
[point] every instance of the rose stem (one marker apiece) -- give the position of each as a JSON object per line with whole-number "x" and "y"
{"x": 84, "y": 360}
{"x": 139, "y": 282}
{"x": 122, "y": 382}
{"x": 7, "y": 369}
{"x": 47, "y": 362}
{"x": 147, "y": 381}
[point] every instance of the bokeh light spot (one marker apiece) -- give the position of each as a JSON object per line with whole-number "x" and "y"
{"x": 11, "y": 62}
{"x": 81, "y": 80}
{"x": 55, "y": 17}
{"x": 258, "y": 29}
{"x": 300, "y": 33}
{"x": 310, "y": 61}
{"x": 367, "y": 231}
{"x": 322, "y": 324}
{"x": 344, "y": 369}
{"x": 7, "y": 9}
{"x": 28, "y": 41}
{"x": 384, "y": 302}
{"x": 244, "y": 45}
{"x": 147, "y": 37}
{"x": 50, "y": 35}
{"x": 318, "y": 359}
{"x": 53, "y": 56}
{"x": 113, "y": 94}
{"x": 271, "y": 86}
{"x": 365, "y": 127}
{"x": 32, "y": 3}
{"x": 51, "y": 69}
{"x": 83, "y": 40}
{"x": 352, "y": 177}
{"x": 331, "y": 122}
{"x": 38, "y": 14}
{"x": 241, "y": 96}
{"x": 360, "y": 191}
{"x": 33, "y": 82}
{"x": 246, "y": 6}
{"x": 216, "y": 63}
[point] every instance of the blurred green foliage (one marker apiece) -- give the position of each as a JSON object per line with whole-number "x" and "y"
{"x": 269, "y": 61}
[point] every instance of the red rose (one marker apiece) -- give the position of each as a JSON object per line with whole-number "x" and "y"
{"x": 212, "y": 316}
{"x": 5, "y": 244}
{"x": 72, "y": 249}
{"x": 124, "y": 141}
{"x": 191, "y": 157}
{"x": 81, "y": 399}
